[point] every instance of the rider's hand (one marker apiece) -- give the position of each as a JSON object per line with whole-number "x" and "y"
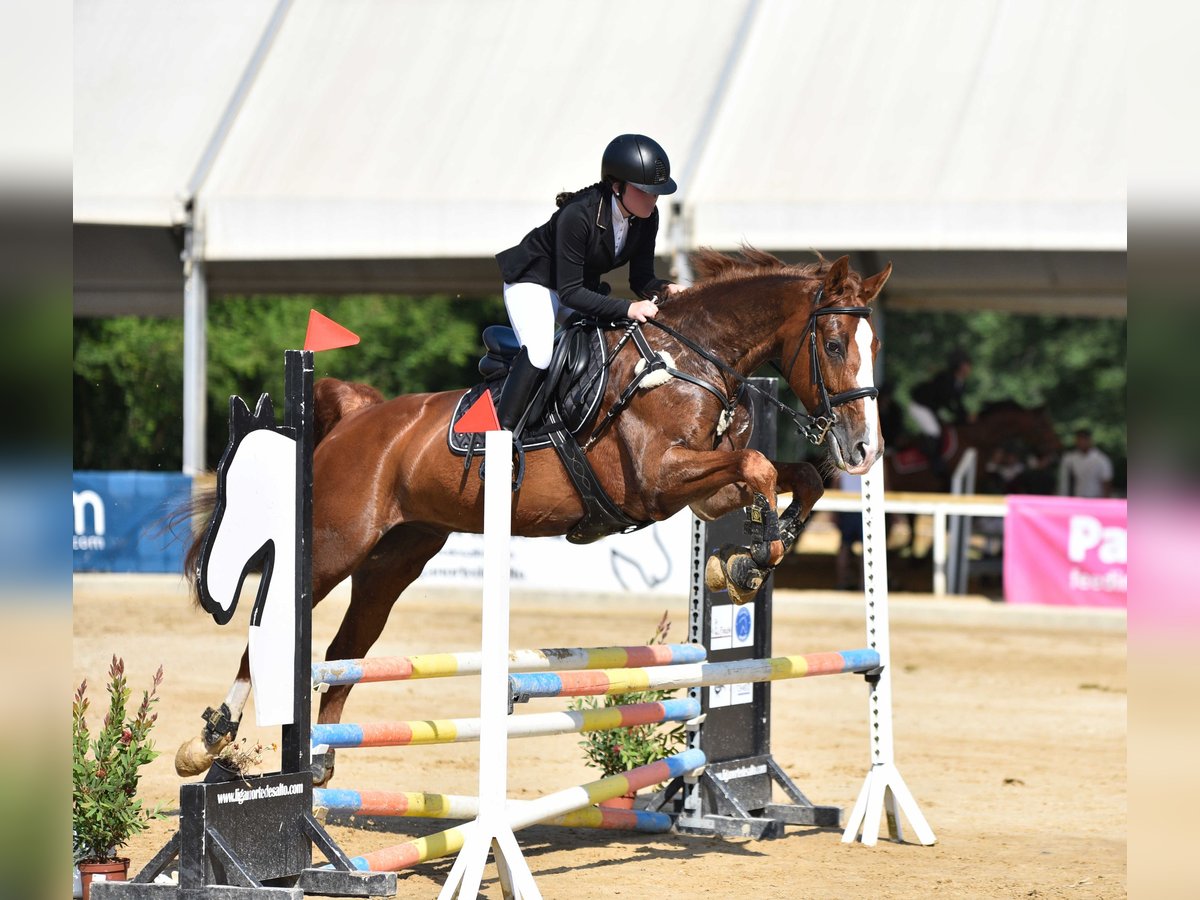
{"x": 673, "y": 290}
{"x": 641, "y": 310}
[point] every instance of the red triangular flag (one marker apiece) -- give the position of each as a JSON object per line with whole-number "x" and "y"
{"x": 325, "y": 334}
{"x": 480, "y": 417}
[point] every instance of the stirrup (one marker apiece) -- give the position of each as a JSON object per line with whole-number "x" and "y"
{"x": 518, "y": 469}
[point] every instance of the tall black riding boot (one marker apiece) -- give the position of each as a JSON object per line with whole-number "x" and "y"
{"x": 523, "y": 379}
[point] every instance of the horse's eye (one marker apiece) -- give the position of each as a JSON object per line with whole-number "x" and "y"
{"x": 833, "y": 348}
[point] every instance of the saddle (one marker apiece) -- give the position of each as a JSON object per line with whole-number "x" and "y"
{"x": 566, "y": 402}
{"x": 567, "y": 398}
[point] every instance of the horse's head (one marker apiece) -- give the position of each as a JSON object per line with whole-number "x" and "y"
{"x": 828, "y": 352}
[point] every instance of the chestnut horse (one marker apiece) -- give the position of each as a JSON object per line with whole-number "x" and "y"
{"x": 387, "y": 491}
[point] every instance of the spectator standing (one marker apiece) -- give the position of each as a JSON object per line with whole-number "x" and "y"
{"x": 1086, "y": 471}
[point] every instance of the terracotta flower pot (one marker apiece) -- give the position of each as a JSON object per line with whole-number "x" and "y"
{"x": 102, "y": 870}
{"x": 625, "y": 801}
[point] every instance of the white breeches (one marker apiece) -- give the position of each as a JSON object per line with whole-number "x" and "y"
{"x": 534, "y": 311}
{"x": 925, "y": 419}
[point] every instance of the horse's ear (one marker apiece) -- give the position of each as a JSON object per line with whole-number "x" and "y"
{"x": 873, "y": 285}
{"x": 835, "y": 278}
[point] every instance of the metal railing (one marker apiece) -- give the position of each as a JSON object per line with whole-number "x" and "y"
{"x": 943, "y": 508}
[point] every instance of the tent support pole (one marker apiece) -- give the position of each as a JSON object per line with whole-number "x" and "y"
{"x": 195, "y": 362}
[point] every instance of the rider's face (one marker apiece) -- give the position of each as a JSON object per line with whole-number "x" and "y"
{"x": 638, "y": 203}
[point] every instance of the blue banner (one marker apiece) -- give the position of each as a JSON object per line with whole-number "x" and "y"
{"x": 119, "y": 521}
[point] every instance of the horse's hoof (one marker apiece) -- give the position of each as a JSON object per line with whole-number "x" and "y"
{"x": 741, "y": 597}
{"x": 194, "y": 757}
{"x": 715, "y": 576}
{"x": 321, "y": 766}
{"x": 733, "y": 570}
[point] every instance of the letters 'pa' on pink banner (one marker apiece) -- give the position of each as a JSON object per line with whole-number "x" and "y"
{"x": 1067, "y": 551}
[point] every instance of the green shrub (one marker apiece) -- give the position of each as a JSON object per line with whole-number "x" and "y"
{"x": 105, "y": 810}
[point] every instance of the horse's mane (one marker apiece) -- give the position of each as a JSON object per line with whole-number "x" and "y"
{"x": 712, "y": 265}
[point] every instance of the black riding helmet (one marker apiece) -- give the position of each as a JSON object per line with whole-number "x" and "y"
{"x": 636, "y": 159}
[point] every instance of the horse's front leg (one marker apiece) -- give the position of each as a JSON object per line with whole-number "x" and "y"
{"x": 806, "y": 487}
{"x": 800, "y": 479}
{"x": 714, "y": 483}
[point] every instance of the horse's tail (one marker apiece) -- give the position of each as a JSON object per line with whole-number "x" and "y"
{"x": 195, "y": 513}
{"x": 334, "y": 400}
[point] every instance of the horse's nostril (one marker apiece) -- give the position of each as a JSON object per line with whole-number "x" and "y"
{"x": 860, "y": 450}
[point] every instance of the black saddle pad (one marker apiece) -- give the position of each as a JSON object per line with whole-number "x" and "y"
{"x": 575, "y": 397}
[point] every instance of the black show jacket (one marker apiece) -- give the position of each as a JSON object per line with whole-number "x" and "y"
{"x": 571, "y": 251}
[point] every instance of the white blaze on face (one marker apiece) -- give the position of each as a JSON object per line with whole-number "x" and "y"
{"x": 866, "y": 378}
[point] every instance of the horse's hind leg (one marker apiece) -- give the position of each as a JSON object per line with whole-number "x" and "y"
{"x": 194, "y": 756}
{"x": 220, "y": 726}
{"x": 393, "y": 564}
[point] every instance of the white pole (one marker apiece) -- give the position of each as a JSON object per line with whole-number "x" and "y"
{"x": 492, "y": 831}
{"x": 939, "y": 552}
{"x": 195, "y": 351}
{"x": 883, "y": 786}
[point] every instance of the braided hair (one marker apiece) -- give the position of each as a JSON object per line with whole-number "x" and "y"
{"x": 567, "y": 196}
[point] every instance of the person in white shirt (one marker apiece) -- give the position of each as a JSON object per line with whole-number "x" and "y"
{"x": 1085, "y": 471}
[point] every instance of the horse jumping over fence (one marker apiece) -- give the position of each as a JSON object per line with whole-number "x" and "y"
{"x": 388, "y": 491}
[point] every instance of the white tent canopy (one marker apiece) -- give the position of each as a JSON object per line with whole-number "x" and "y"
{"x": 151, "y": 82}
{"x": 921, "y": 125}
{"x": 443, "y": 128}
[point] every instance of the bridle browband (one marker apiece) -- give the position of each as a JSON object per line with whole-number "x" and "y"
{"x": 813, "y": 426}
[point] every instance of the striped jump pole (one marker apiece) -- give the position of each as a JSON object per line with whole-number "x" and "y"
{"x": 416, "y": 804}
{"x": 531, "y": 812}
{"x": 444, "y": 665}
{"x": 451, "y": 731}
{"x": 623, "y": 681}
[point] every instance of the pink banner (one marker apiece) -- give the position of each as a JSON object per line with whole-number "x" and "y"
{"x": 1066, "y": 550}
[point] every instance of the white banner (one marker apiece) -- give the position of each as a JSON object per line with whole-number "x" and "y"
{"x": 654, "y": 560}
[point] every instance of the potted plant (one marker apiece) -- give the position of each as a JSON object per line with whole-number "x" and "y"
{"x": 105, "y": 810}
{"x": 618, "y": 750}
{"x": 236, "y": 759}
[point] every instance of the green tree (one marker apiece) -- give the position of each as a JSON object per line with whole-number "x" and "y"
{"x": 1076, "y": 367}
{"x": 127, "y": 387}
{"x": 128, "y": 371}
{"x": 128, "y": 378}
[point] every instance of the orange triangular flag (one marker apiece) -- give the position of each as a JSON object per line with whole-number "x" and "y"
{"x": 480, "y": 417}
{"x": 325, "y": 334}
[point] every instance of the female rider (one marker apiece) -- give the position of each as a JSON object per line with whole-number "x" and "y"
{"x": 555, "y": 270}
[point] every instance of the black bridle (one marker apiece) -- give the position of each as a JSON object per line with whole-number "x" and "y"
{"x": 823, "y": 417}
{"x": 813, "y": 426}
